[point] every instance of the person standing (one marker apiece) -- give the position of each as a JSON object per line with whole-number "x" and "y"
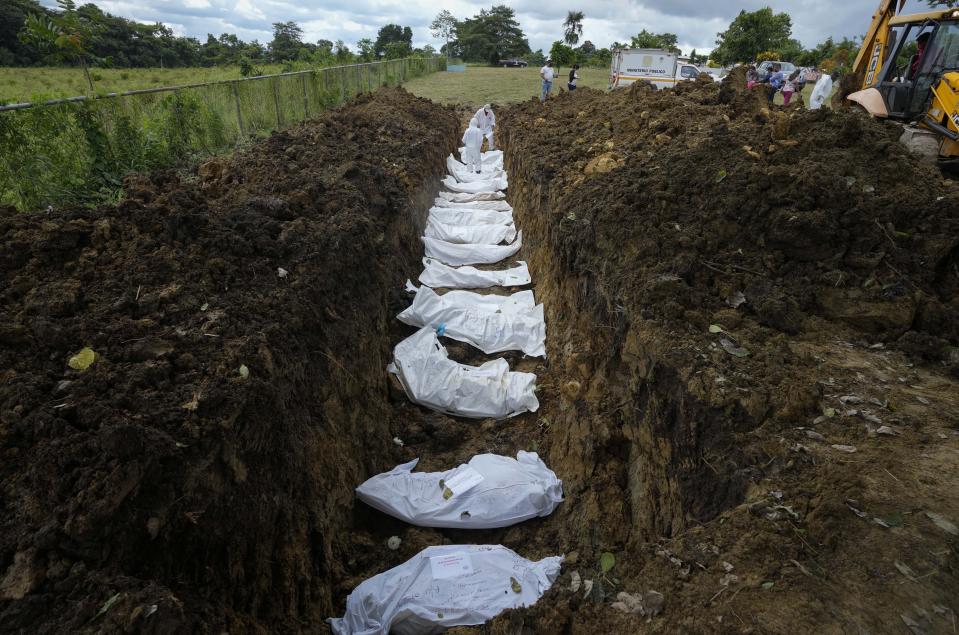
{"x": 752, "y": 76}
{"x": 487, "y": 121}
{"x": 776, "y": 81}
{"x": 573, "y": 77}
{"x": 473, "y": 147}
{"x": 822, "y": 90}
{"x": 547, "y": 74}
{"x": 789, "y": 87}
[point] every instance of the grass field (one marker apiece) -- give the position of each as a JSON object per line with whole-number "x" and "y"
{"x": 27, "y": 84}
{"x": 482, "y": 84}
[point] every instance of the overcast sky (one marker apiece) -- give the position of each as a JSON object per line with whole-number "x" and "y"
{"x": 696, "y": 22}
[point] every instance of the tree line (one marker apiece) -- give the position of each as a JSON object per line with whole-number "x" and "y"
{"x": 85, "y": 35}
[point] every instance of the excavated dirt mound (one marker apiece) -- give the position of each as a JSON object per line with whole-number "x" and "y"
{"x": 198, "y": 475}
{"x": 750, "y": 394}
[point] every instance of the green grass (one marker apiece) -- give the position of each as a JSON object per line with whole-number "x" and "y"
{"x": 26, "y": 84}
{"x": 480, "y": 85}
{"x": 483, "y": 84}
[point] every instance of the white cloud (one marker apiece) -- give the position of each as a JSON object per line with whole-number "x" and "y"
{"x": 695, "y": 22}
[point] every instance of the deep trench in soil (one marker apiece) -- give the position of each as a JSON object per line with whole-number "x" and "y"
{"x": 199, "y": 476}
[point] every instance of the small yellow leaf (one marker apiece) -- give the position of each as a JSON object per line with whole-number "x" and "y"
{"x": 715, "y": 328}
{"x": 447, "y": 493}
{"x": 244, "y": 371}
{"x": 83, "y": 359}
{"x": 515, "y": 585}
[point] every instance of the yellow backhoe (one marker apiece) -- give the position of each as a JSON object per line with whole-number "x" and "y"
{"x": 909, "y": 68}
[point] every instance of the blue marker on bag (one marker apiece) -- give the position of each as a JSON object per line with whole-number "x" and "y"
{"x": 441, "y": 329}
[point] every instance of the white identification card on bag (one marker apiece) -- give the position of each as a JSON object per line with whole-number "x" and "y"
{"x": 464, "y": 480}
{"x": 451, "y": 566}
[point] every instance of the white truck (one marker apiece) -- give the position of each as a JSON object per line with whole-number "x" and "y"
{"x": 659, "y": 67}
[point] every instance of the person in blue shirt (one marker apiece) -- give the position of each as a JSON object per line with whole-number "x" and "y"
{"x": 776, "y": 81}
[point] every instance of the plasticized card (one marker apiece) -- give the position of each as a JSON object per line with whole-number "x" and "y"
{"x": 464, "y": 480}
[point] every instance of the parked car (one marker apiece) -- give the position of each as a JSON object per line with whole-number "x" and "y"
{"x": 765, "y": 69}
{"x": 513, "y": 63}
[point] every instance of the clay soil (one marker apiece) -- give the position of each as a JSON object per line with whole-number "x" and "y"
{"x": 198, "y": 476}
{"x": 752, "y": 390}
{"x": 827, "y": 256}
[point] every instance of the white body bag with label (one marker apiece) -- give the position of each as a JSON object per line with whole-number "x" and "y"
{"x": 464, "y": 197}
{"x": 488, "y": 492}
{"x": 476, "y": 187}
{"x": 491, "y": 323}
{"x": 433, "y": 380}
{"x": 439, "y": 276}
{"x": 446, "y": 586}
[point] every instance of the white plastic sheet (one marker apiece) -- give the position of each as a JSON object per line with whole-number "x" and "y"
{"x": 433, "y": 380}
{"x": 455, "y": 255}
{"x": 477, "y": 187}
{"x": 437, "y": 275}
{"x": 445, "y": 586}
{"x": 465, "y": 197}
{"x": 499, "y": 206}
{"x": 486, "y": 322}
{"x": 462, "y": 173}
{"x": 467, "y": 216}
{"x": 470, "y": 234}
{"x": 492, "y": 158}
{"x": 488, "y": 492}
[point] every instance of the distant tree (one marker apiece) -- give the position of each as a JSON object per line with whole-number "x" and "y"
{"x": 791, "y": 51}
{"x": 536, "y": 58}
{"x": 443, "y": 26}
{"x": 394, "y": 33}
{"x": 587, "y": 48}
{"x": 647, "y": 40}
{"x": 492, "y": 34}
{"x": 342, "y": 52}
{"x": 751, "y": 33}
{"x": 324, "y": 46}
{"x": 697, "y": 59}
{"x": 573, "y": 27}
{"x": 287, "y": 41}
{"x": 562, "y": 55}
{"x": 396, "y": 50}
{"x": 366, "y": 49}
{"x": 601, "y": 58}
{"x": 66, "y": 36}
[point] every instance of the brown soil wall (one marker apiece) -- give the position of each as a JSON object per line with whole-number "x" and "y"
{"x": 163, "y": 489}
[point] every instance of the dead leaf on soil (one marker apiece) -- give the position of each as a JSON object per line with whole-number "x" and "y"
{"x": 83, "y": 359}
{"x": 848, "y": 449}
{"x": 194, "y": 403}
{"x": 732, "y": 349}
{"x": 943, "y": 524}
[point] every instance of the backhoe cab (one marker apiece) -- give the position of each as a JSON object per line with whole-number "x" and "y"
{"x": 910, "y": 70}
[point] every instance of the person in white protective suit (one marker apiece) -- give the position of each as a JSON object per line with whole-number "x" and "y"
{"x": 487, "y": 121}
{"x": 821, "y": 91}
{"x": 473, "y": 147}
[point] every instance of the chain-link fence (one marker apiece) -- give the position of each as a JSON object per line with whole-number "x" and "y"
{"x": 76, "y": 151}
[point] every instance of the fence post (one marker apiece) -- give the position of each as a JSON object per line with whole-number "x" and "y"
{"x": 306, "y": 96}
{"x": 239, "y": 116}
{"x": 276, "y": 101}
